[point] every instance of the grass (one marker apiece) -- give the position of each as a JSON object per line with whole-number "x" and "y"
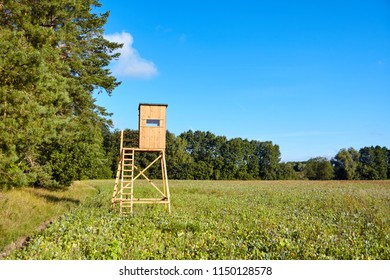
{"x": 227, "y": 220}
{"x": 23, "y": 211}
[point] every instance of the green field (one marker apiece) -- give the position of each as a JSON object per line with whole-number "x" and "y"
{"x": 227, "y": 220}
{"x": 25, "y": 210}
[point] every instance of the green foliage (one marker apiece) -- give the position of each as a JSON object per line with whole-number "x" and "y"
{"x": 217, "y": 220}
{"x": 373, "y": 163}
{"x": 205, "y": 149}
{"x": 52, "y": 58}
{"x": 388, "y": 164}
{"x": 215, "y": 157}
{"x": 286, "y": 172}
{"x": 269, "y": 157}
{"x": 345, "y": 164}
{"x": 319, "y": 168}
{"x": 178, "y": 160}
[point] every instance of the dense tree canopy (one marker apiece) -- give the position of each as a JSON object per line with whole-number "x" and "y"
{"x": 345, "y": 164}
{"x": 52, "y": 58}
{"x": 373, "y": 163}
{"x": 369, "y": 163}
{"x": 319, "y": 168}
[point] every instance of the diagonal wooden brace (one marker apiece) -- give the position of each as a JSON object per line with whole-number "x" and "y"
{"x": 146, "y": 168}
{"x": 149, "y": 181}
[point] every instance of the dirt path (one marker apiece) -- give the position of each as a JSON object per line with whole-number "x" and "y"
{"x": 22, "y": 241}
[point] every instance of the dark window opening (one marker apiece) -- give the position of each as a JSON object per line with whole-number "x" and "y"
{"x": 152, "y": 122}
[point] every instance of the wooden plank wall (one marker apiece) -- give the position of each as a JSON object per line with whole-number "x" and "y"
{"x": 152, "y": 137}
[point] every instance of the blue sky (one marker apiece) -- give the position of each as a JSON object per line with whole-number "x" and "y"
{"x": 311, "y": 76}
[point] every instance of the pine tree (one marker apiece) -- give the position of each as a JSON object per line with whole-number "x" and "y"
{"x": 53, "y": 57}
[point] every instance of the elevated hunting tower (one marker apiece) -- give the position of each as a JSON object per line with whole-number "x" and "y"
{"x": 151, "y": 139}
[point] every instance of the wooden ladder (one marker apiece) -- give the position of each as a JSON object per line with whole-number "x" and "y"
{"x": 127, "y": 181}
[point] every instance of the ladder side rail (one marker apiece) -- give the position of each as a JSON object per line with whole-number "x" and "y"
{"x": 118, "y": 172}
{"x": 166, "y": 182}
{"x": 163, "y": 176}
{"x": 132, "y": 180}
{"x": 122, "y": 154}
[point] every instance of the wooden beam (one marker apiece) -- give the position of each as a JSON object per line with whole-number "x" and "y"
{"x": 146, "y": 168}
{"x": 150, "y": 182}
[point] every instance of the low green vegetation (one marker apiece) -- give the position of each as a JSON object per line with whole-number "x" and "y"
{"x": 22, "y": 211}
{"x": 227, "y": 220}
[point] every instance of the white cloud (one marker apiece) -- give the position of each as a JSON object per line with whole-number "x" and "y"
{"x": 130, "y": 63}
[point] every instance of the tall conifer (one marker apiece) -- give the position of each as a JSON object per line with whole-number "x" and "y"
{"x": 53, "y": 57}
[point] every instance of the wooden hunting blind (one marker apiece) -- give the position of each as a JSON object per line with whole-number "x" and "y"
{"x": 152, "y": 126}
{"x": 151, "y": 135}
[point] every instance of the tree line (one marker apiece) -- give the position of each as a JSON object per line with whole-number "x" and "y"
{"x": 204, "y": 156}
